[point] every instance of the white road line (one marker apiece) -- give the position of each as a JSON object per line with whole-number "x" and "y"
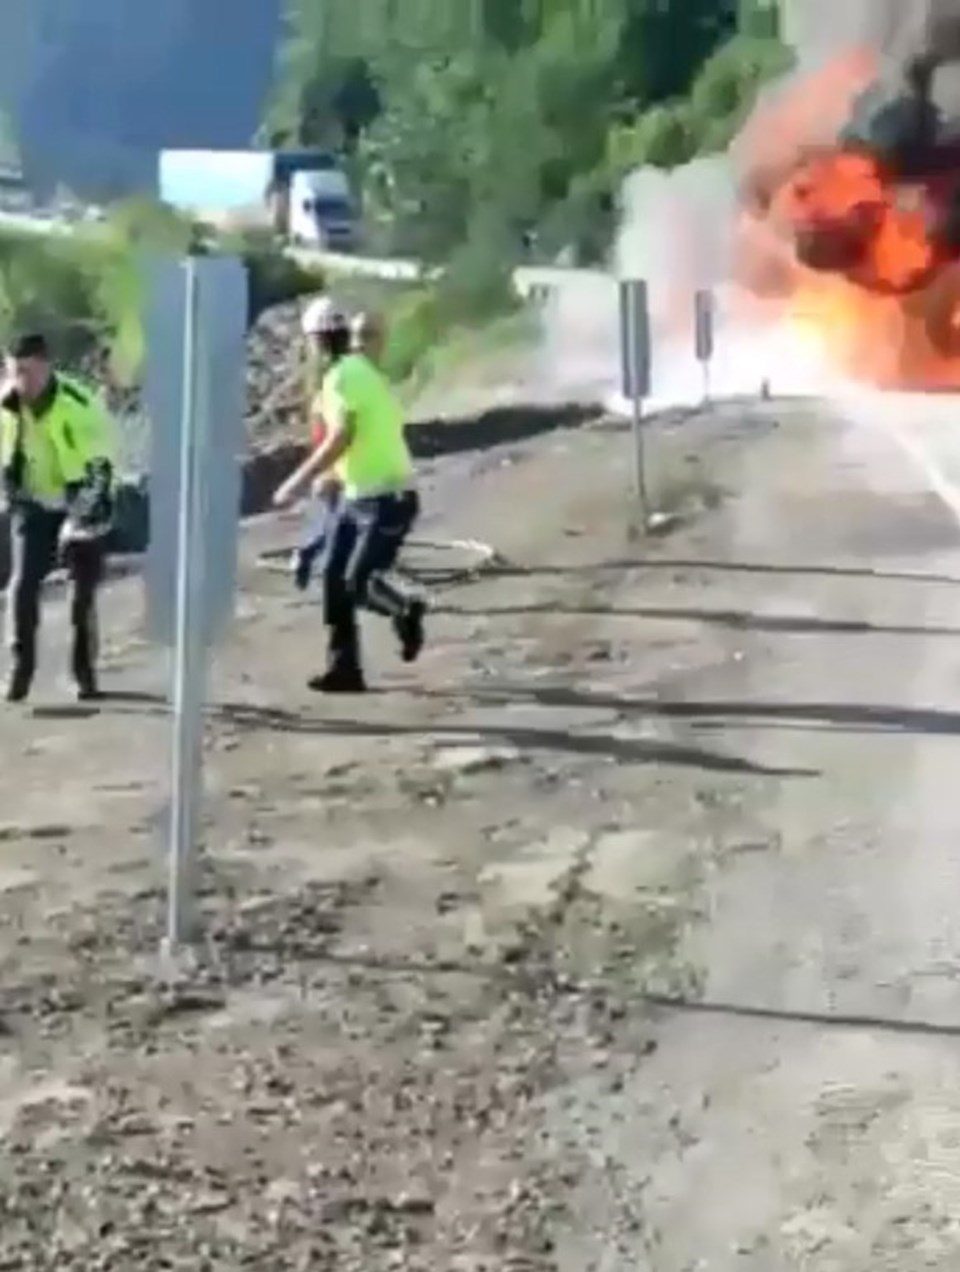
{"x": 947, "y": 492}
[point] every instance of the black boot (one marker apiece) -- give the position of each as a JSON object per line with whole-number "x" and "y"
{"x": 82, "y": 666}
{"x": 410, "y": 631}
{"x": 344, "y": 673}
{"x": 338, "y": 680}
{"x": 88, "y": 690}
{"x": 18, "y": 684}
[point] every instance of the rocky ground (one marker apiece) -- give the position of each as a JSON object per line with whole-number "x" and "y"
{"x": 619, "y": 933}
{"x": 276, "y": 389}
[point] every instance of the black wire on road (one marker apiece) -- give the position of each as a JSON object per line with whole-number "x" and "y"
{"x": 481, "y": 558}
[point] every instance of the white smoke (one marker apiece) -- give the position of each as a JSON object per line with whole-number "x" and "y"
{"x": 898, "y": 30}
{"x": 820, "y": 29}
{"x": 676, "y": 233}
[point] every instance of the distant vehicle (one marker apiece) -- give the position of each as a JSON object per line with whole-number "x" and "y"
{"x": 15, "y": 195}
{"x": 320, "y": 211}
{"x": 303, "y": 196}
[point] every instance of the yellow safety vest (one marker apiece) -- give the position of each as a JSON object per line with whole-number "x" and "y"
{"x": 70, "y": 429}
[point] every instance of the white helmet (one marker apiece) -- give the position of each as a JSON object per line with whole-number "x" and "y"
{"x": 321, "y": 315}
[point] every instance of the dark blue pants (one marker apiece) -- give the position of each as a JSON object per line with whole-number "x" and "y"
{"x": 362, "y": 547}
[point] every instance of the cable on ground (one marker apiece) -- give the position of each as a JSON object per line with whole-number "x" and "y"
{"x": 482, "y": 558}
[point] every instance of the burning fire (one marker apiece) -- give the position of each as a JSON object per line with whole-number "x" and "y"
{"x": 833, "y": 241}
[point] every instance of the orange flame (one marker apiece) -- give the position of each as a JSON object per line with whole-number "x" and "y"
{"x": 832, "y": 242}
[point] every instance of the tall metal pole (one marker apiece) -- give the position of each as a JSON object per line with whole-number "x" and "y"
{"x": 188, "y": 653}
{"x": 639, "y": 458}
{"x": 637, "y": 354}
{"x": 704, "y": 336}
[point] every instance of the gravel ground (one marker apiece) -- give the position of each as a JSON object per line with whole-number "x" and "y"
{"x": 618, "y": 933}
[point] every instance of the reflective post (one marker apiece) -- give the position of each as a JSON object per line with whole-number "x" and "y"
{"x": 704, "y": 323}
{"x": 195, "y": 390}
{"x": 189, "y": 654}
{"x": 635, "y": 374}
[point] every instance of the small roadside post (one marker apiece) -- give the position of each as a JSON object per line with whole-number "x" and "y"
{"x": 704, "y": 314}
{"x": 635, "y": 375}
{"x": 195, "y": 324}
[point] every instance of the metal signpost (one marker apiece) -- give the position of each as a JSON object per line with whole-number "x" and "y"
{"x": 704, "y": 320}
{"x": 635, "y": 372}
{"x": 195, "y": 393}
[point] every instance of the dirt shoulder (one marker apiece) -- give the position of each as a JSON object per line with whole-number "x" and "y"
{"x": 508, "y": 963}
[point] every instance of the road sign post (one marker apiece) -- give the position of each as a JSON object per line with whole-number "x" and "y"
{"x": 195, "y": 392}
{"x": 635, "y": 373}
{"x": 704, "y": 312}
{"x": 188, "y": 687}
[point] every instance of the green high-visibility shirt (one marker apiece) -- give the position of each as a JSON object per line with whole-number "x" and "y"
{"x": 378, "y": 459}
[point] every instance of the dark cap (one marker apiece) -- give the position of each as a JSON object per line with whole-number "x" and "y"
{"x": 31, "y": 344}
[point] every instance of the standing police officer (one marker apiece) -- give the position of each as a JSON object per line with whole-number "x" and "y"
{"x": 57, "y": 455}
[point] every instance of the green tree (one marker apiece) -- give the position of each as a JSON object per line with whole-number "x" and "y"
{"x": 665, "y": 42}
{"x": 759, "y": 18}
{"x": 421, "y": 155}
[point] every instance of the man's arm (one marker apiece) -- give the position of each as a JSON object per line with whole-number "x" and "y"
{"x": 338, "y": 405}
{"x": 12, "y": 459}
{"x": 320, "y": 461}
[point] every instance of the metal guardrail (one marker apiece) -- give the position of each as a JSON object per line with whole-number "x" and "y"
{"x": 533, "y": 281}
{"x": 36, "y": 223}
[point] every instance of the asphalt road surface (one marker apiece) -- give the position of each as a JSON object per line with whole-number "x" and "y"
{"x": 621, "y": 932}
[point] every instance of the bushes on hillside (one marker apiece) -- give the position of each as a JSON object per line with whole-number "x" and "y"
{"x": 86, "y": 289}
{"x": 476, "y": 287}
{"x": 56, "y": 285}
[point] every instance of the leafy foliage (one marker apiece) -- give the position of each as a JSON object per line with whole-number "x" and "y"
{"x": 515, "y": 119}
{"x": 85, "y": 290}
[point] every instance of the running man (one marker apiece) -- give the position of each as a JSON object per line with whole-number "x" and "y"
{"x": 368, "y": 338}
{"x": 367, "y": 449}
